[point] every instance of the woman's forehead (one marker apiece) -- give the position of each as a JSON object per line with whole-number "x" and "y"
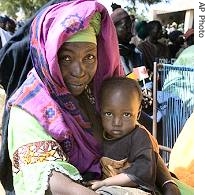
{"x": 72, "y": 46}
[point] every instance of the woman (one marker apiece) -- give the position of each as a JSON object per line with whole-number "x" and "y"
{"x": 54, "y": 132}
{"x": 46, "y": 77}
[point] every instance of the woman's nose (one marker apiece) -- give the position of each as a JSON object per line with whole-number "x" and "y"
{"x": 78, "y": 69}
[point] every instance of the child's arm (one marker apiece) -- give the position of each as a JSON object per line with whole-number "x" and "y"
{"x": 121, "y": 179}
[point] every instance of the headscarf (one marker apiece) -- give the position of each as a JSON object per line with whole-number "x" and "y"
{"x": 44, "y": 94}
{"x": 119, "y": 14}
{"x": 89, "y": 34}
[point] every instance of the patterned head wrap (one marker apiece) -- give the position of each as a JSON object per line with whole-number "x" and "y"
{"x": 44, "y": 94}
{"x": 90, "y": 33}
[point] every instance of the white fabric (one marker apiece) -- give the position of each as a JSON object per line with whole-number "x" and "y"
{"x": 5, "y": 36}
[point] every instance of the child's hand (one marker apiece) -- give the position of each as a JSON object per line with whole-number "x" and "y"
{"x": 97, "y": 184}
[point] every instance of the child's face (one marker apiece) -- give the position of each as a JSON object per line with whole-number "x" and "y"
{"x": 119, "y": 111}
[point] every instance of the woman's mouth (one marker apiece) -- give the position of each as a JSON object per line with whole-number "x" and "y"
{"x": 76, "y": 86}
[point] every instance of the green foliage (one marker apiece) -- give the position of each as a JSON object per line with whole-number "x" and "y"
{"x": 132, "y": 10}
{"x": 29, "y": 7}
{"x": 12, "y": 7}
{"x": 148, "y": 2}
{"x": 132, "y": 7}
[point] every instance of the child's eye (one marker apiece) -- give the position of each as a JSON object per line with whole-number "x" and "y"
{"x": 108, "y": 114}
{"x": 127, "y": 114}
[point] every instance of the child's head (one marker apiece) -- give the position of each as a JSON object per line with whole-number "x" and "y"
{"x": 120, "y": 105}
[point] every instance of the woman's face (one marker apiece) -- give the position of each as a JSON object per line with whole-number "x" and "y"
{"x": 78, "y": 64}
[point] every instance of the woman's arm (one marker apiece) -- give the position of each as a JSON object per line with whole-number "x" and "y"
{"x": 37, "y": 174}
{"x": 61, "y": 184}
{"x": 164, "y": 179}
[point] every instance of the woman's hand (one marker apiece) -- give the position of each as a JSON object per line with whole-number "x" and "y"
{"x": 61, "y": 184}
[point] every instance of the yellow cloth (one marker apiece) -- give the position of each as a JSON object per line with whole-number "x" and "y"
{"x": 181, "y": 161}
{"x": 132, "y": 75}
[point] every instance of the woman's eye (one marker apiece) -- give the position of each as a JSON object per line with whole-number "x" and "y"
{"x": 89, "y": 58}
{"x": 67, "y": 58}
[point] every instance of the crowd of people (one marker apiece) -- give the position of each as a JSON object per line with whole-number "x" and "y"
{"x": 73, "y": 123}
{"x": 172, "y": 41}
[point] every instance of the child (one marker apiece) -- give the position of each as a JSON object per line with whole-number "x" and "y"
{"x": 130, "y": 157}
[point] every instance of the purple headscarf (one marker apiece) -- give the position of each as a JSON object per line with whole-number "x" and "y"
{"x": 44, "y": 94}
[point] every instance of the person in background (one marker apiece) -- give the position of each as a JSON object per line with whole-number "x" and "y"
{"x": 173, "y": 27}
{"x": 188, "y": 41}
{"x": 164, "y": 38}
{"x": 10, "y": 25}
{"x": 140, "y": 33}
{"x": 2, "y": 22}
{"x": 131, "y": 57}
{"x": 4, "y": 34}
{"x": 129, "y": 153}
{"x": 168, "y": 26}
{"x": 152, "y": 50}
{"x": 176, "y": 42}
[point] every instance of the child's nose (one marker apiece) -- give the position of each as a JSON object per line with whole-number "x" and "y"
{"x": 117, "y": 121}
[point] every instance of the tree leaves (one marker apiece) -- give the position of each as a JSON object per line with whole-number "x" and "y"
{"x": 12, "y": 7}
{"x": 29, "y": 7}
